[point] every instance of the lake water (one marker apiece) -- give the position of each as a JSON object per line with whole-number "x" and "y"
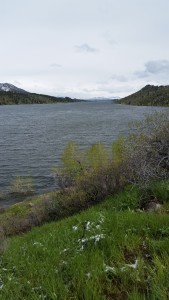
{"x": 32, "y": 137}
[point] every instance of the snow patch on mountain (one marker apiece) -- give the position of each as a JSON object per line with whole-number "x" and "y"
{"x": 7, "y": 87}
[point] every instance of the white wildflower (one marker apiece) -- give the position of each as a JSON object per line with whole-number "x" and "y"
{"x": 37, "y": 244}
{"x": 37, "y": 288}
{"x": 88, "y": 225}
{"x": 97, "y": 237}
{"x": 97, "y": 226}
{"x": 102, "y": 218}
{"x": 83, "y": 240}
{"x": 133, "y": 266}
{"x": 64, "y": 250}
{"x": 75, "y": 228}
{"x": 63, "y": 262}
{"x": 109, "y": 269}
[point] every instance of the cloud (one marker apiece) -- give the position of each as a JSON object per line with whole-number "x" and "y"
{"x": 108, "y": 89}
{"x": 109, "y": 39}
{"x": 154, "y": 67}
{"x": 86, "y": 48}
{"x": 157, "y": 66}
{"x": 120, "y": 78}
{"x": 17, "y": 82}
{"x": 54, "y": 65}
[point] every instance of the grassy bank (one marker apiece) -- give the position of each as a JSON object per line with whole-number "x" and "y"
{"x": 106, "y": 252}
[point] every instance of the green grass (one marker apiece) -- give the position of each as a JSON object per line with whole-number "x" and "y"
{"x": 106, "y": 252}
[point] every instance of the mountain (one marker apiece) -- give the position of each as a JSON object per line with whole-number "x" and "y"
{"x": 103, "y": 99}
{"x": 150, "y": 95}
{"x": 7, "y": 87}
{"x": 10, "y": 94}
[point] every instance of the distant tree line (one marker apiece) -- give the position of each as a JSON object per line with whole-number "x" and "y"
{"x": 9, "y": 98}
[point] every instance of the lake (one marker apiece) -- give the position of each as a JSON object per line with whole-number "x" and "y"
{"x": 32, "y": 137}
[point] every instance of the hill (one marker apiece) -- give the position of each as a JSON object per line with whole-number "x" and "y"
{"x": 8, "y": 87}
{"x": 10, "y": 94}
{"x": 150, "y": 95}
{"x": 8, "y": 98}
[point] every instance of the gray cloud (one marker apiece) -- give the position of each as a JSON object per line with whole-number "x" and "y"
{"x": 86, "y": 48}
{"x": 112, "y": 42}
{"x": 119, "y": 78}
{"x": 154, "y": 67}
{"x": 54, "y": 65}
{"x": 109, "y": 39}
{"x": 95, "y": 45}
{"x": 17, "y": 82}
{"x": 157, "y": 66}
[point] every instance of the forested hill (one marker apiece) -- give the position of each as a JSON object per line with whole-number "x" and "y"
{"x": 8, "y": 98}
{"x": 149, "y": 95}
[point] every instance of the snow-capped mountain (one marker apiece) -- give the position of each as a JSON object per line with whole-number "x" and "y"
{"x": 7, "y": 87}
{"x": 102, "y": 99}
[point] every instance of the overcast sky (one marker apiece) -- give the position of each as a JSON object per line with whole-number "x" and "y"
{"x": 84, "y": 48}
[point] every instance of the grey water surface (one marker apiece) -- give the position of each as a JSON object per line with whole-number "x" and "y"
{"x": 32, "y": 137}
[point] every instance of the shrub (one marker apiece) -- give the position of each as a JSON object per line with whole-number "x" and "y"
{"x": 96, "y": 171}
{"x": 78, "y": 164}
{"x": 139, "y": 159}
{"x": 146, "y": 151}
{"x": 22, "y": 186}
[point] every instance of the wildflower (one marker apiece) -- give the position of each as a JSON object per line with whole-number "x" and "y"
{"x": 101, "y": 218}
{"x": 37, "y": 244}
{"x": 63, "y": 262}
{"x": 75, "y": 228}
{"x": 98, "y": 226}
{"x": 134, "y": 266}
{"x": 88, "y": 225}
{"x": 109, "y": 269}
{"x": 97, "y": 237}
{"x": 64, "y": 250}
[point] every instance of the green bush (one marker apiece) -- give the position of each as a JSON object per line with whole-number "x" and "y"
{"x": 139, "y": 159}
{"x": 96, "y": 170}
